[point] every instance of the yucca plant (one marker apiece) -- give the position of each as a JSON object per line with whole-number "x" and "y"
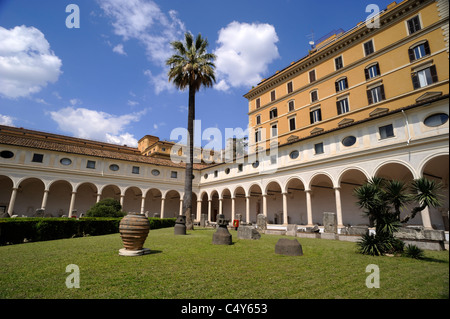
{"x": 412, "y": 251}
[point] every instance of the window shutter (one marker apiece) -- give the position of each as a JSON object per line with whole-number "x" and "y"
{"x": 346, "y": 83}
{"x": 426, "y": 46}
{"x": 366, "y": 73}
{"x": 383, "y": 96}
{"x": 415, "y": 80}
{"x": 319, "y": 113}
{"x": 411, "y": 26}
{"x": 378, "y": 69}
{"x": 412, "y": 56}
{"x": 338, "y": 106}
{"x": 336, "y": 85}
{"x": 433, "y": 72}
{"x": 369, "y": 96}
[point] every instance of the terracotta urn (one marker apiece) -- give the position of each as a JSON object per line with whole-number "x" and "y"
{"x": 134, "y": 230}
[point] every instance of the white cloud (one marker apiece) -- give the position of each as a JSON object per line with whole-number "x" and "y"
{"x": 6, "y": 120}
{"x": 159, "y": 82}
{"x": 119, "y": 49}
{"x": 144, "y": 21}
{"x": 96, "y": 125}
{"x": 244, "y": 53}
{"x": 26, "y": 62}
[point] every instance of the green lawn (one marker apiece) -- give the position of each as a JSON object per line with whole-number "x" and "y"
{"x": 191, "y": 267}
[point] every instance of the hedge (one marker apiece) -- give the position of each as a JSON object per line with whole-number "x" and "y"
{"x": 19, "y": 230}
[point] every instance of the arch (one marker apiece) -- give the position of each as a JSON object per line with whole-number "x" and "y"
{"x": 291, "y": 179}
{"x": 86, "y": 197}
{"x": 111, "y": 191}
{"x": 252, "y": 186}
{"x": 30, "y": 195}
{"x": 296, "y": 201}
{"x": 132, "y": 199}
{"x": 226, "y": 203}
{"x": 272, "y": 184}
{"x": 436, "y": 168}
{"x": 172, "y": 203}
{"x": 316, "y": 176}
{"x": 322, "y": 196}
{"x": 347, "y": 170}
{"x": 394, "y": 162}
{"x": 152, "y": 204}
{"x": 6, "y": 189}
{"x": 59, "y": 196}
{"x": 60, "y": 180}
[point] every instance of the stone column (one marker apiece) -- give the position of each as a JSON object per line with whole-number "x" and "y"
{"x": 264, "y": 204}
{"x": 99, "y": 196}
{"x": 220, "y": 206}
{"x": 143, "y": 205}
{"x": 426, "y": 220}
{"x": 233, "y": 208}
{"x": 72, "y": 203}
{"x": 122, "y": 199}
{"x": 12, "y": 201}
{"x": 209, "y": 209}
{"x": 181, "y": 207}
{"x": 308, "y": 207}
{"x": 44, "y": 199}
{"x": 162, "y": 206}
{"x": 337, "y": 195}
{"x": 199, "y": 209}
{"x": 285, "y": 213}
{"x": 247, "y": 209}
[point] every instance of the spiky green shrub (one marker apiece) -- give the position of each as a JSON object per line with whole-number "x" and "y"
{"x": 412, "y": 251}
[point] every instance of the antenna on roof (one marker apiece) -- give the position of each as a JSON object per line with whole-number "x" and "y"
{"x": 312, "y": 43}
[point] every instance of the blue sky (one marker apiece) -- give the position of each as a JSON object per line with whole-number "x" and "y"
{"x": 106, "y": 80}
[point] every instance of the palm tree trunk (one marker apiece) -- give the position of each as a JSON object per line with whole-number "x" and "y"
{"x": 187, "y": 199}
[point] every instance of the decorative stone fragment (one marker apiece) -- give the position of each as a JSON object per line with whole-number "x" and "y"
{"x": 248, "y": 232}
{"x": 180, "y": 225}
{"x": 261, "y": 222}
{"x": 329, "y": 223}
{"x": 288, "y": 247}
{"x": 222, "y": 236}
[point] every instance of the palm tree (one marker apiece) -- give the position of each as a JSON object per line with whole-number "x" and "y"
{"x": 191, "y": 67}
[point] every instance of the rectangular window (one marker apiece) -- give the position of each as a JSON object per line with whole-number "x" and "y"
{"x": 291, "y": 106}
{"x": 258, "y": 103}
{"x": 376, "y": 95}
{"x": 240, "y": 167}
{"x": 258, "y": 119}
{"x": 273, "y": 113}
{"x": 386, "y": 131}
{"x": 290, "y": 87}
{"x": 413, "y": 25}
{"x": 135, "y": 170}
{"x": 173, "y": 174}
{"x": 314, "y": 96}
{"x": 38, "y": 158}
{"x": 419, "y": 51}
{"x": 318, "y": 148}
{"x": 339, "y": 64}
{"x": 424, "y": 77}
{"x": 341, "y": 85}
{"x": 90, "y": 164}
{"x": 368, "y": 48}
{"x": 273, "y": 159}
{"x": 258, "y": 135}
{"x": 272, "y": 96}
{"x": 292, "y": 125}
{"x": 372, "y": 71}
{"x": 274, "y": 130}
{"x": 342, "y": 106}
{"x": 216, "y": 173}
{"x": 315, "y": 116}
{"x": 312, "y": 76}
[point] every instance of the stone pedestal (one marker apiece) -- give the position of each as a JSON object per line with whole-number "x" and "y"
{"x": 330, "y": 223}
{"x": 288, "y": 247}
{"x": 248, "y": 232}
{"x": 180, "y": 226}
{"x": 131, "y": 253}
{"x": 261, "y": 222}
{"x": 222, "y": 236}
{"x": 203, "y": 219}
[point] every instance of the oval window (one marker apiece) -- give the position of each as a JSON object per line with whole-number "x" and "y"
{"x": 205, "y": 176}
{"x": 255, "y": 164}
{"x": 349, "y": 141}
{"x": 114, "y": 167}
{"x": 65, "y": 161}
{"x": 294, "y": 154}
{"x": 227, "y": 171}
{"x": 155, "y": 172}
{"x": 436, "y": 120}
{"x": 6, "y": 154}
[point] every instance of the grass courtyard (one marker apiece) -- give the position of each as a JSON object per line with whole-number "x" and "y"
{"x": 190, "y": 267}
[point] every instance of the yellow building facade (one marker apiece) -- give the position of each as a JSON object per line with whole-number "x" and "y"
{"x": 374, "y": 68}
